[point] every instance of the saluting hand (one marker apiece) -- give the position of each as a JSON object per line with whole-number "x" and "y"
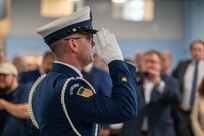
{"x": 109, "y": 49}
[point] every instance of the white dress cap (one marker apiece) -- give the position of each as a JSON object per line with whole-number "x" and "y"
{"x": 77, "y": 22}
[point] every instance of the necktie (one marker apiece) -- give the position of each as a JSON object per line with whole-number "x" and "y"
{"x": 195, "y": 78}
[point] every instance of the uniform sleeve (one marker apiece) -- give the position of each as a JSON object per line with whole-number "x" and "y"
{"x": 82, "y": 104}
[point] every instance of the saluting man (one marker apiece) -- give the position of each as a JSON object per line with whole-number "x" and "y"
{"x": 62, "y": 103}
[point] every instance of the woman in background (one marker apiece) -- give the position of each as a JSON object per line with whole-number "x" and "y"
{"x": 197, "y": 115}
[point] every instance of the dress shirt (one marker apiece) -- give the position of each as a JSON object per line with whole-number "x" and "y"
{"x": 188, "y": 80}
{"x": 148, "y": 87}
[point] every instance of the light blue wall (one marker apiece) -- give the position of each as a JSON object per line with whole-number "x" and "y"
{"x": 25, "y": 46}
{"x": 192, "y": 21}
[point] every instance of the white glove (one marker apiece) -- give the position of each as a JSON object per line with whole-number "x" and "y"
{"x": 109, "y": 49}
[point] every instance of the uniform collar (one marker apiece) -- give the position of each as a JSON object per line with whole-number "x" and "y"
{"x": 66, "y": 69}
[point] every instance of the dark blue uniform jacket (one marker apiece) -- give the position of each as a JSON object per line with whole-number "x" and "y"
{"x": 84, "y": 108}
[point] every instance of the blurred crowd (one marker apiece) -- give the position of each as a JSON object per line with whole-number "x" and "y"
{"x": 169, "y": 99}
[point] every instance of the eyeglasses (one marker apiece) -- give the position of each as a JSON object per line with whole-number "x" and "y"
{"x": 89, "y": 38}
{"x": 151, "y": 62}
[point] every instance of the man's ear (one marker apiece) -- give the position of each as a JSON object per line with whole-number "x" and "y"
{"x": 73, "y": 45}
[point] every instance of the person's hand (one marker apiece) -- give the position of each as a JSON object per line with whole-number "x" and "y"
{"x": 109, "y": 49}
{"x": 154, "y": 76}
{"x": 2, "y": 104}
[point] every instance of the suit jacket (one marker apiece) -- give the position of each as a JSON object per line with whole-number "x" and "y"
{"x": 100, "y": 80}
{"x": 180, "y": 71}
{"x": 158, "y": 111}
{"x": 29, "y": 76}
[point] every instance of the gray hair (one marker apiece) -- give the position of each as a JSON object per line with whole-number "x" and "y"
{"x": 58, "y": 47}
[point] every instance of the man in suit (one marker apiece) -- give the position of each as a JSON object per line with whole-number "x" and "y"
{"x": 167, "y": 62}
{"x": 20, "y": 63}
{"x": 32, "y": 76}
{"x": 185, "y": 73}
{"x": 156, "y": 93}
{"x": 98, "y": 78}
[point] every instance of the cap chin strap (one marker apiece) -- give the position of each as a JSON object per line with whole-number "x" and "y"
{"x": 64, "y": 105}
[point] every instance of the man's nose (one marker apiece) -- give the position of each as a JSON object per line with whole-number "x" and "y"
{"x": 93, "y": 43}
